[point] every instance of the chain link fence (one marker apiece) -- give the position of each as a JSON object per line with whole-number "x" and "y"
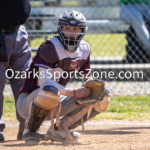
{"x": 120, "y": 52}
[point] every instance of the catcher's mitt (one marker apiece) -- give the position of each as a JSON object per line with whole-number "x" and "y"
{"x": 97, "y": 92}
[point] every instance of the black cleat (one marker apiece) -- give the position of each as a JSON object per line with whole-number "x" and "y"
{"x": 1, "y": 138}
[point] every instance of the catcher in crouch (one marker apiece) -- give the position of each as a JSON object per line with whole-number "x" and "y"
{"x": 40, "y": 96}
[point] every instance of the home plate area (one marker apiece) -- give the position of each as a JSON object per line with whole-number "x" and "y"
{"x": 98, "y": 135}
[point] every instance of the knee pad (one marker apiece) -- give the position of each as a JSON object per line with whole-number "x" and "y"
{"x": 47, "y": 97}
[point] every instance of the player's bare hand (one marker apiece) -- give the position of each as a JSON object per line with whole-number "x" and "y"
{"x": 82, "y": 92}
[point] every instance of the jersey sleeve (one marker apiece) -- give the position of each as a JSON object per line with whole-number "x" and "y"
{"x": 46, "y": 56}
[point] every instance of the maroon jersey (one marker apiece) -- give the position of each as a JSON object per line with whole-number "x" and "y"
{"x": 51, "y": 54}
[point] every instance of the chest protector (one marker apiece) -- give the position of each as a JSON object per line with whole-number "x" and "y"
{"x": 71, "y": 60}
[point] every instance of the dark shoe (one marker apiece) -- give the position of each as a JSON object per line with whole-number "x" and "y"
{"x": 61, "y": 136}
{"x": 1, "y": 138}
{"x": 31, "y": 138}
{"x": 2, "y": 125}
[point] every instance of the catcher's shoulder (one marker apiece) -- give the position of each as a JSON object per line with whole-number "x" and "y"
{"x": 48, "y": 52}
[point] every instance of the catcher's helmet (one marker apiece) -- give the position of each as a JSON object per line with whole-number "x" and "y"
{"x": 74, "y": 19}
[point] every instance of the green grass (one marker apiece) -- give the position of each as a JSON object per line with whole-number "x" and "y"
{"x": 107, "y": 44}
{"x": 101, "y": 44}
{"x": 66, "y": 3}
{"x": 71, "y": 3}
{"x": 131, "y": 108}
{"x": 36, "y": 4}
{"x": 9, "y": 108}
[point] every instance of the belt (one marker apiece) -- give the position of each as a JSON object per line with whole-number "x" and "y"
{"x": 9, "y": 30}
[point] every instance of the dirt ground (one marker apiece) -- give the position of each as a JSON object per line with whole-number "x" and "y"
{"x": 102, "y": 135}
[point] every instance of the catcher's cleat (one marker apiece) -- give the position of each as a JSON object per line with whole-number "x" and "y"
{"x": 60, "y": 136}
{"x": 31, "y": 138}
{"x": 1, "y": 138}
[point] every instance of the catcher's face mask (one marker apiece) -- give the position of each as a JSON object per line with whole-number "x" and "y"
{"x": 71, "y": 29}
{"x": 71, "y": 37}
{"x": 71, "y": 32}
